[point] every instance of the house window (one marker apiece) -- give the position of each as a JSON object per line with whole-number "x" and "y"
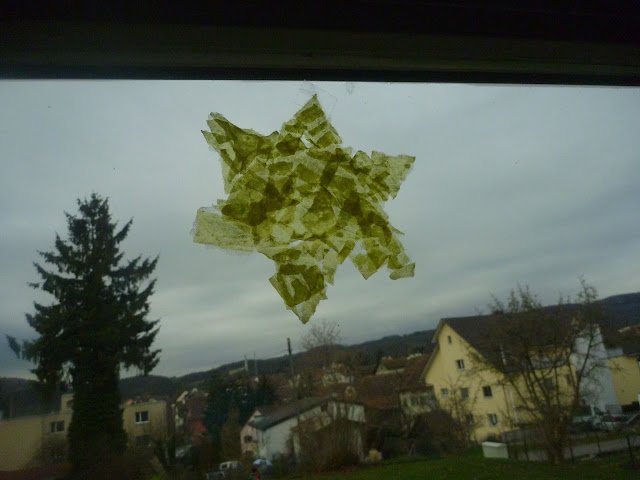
{"x": 469, "y": 419}
{"x": 464, "y": 393}
{"x": 57, "y": 426}
{"x": 449, "y": 339}
{"x": 460, "y": 364}
{"x": 486, "y": 391}
{"x": 142, "y": 417}
{"x": 493, "y": 419}
{"x": 444, "y": 392}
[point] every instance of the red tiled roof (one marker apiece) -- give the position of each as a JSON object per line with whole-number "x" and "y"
{"x": 393, "y": 363}
{"x": 379, "y": 391}
{"x": 413, "y": 372}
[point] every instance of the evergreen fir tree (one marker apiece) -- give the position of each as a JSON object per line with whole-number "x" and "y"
{"x": 96, "y": 325}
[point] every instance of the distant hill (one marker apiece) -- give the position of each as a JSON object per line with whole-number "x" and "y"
{"x": 620, "y": 310}
{"x": 155, "y": 385}
{"x": 394, "y": 345}
{"x": 20, "y": 397}
{"x": 398, "y": 345}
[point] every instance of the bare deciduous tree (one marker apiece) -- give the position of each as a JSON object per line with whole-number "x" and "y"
{"x": 549, "y": 359}
{"x": 321, "y": 343}
{"x": 329, "y": 439}
{"x": 459, "y": 404}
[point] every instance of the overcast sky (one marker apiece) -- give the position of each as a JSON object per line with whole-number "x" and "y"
{"x": 536, "y": 185}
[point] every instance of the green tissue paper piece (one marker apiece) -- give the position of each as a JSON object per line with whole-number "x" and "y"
{"x": 306, "y": 202}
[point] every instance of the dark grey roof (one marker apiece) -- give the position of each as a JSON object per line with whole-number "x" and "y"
{"x": 488, "y": 334}
{"x": 287, "y": 411}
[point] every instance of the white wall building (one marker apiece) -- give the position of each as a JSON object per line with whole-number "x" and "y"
{"x": 275, "y": 432}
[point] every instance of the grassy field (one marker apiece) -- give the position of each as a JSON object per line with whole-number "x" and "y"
{"x": 474, "y": 467}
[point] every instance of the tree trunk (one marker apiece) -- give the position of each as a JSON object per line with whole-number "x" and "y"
{"x": 96, "y": 433}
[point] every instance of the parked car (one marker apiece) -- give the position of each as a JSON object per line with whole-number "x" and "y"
{"x": 634, "y": 421}
{"x": 613, "y": 422}
{"x": 225, "y": 470}
{"x": 216, "y": 475}
{"x": 587, "y": 418}
{"x": 230, "y": 465}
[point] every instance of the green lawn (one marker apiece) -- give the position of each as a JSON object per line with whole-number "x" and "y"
{"x": 474, "y": 466}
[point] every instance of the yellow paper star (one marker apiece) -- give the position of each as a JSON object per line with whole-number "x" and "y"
{"x": 303, "y": 200}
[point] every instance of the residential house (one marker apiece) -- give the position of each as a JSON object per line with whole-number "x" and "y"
{"x": 337, "y": 373}
{"x": 479, "y": 395}
{"x": 380, "y": 396}
{"x": 188, "y": 411}
{"x": 249, "y": 434}
{"x": 392, "y": 401}
{"x": 624, "y": 364}
{"x": 478, "y": 398}
{"x": 28, "y": 441}
{"x": 23, "y": 439}
{"x": 145, "y": 420}
{"x": 277, "y": 433}
{"x": 398, "y": 395}
{"x": 388, "y": 365}
{"x": 416, "y": 398}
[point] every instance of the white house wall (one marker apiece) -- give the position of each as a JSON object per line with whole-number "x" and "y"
{"x": 273, "y": 441}
{"x": 599, "y": 388}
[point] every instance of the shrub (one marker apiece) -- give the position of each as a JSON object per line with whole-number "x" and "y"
{"x": 329, "y": 447}
{"x": 437, "y": 433}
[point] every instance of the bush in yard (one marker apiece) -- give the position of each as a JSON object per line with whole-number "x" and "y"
{"x": 437, "y": 432}
{"x": 325, "y": 447}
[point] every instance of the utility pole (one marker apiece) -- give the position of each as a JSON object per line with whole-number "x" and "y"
{"x": 255, "y": 364}
{"x": 293, "y": 375}
{"x": 295, "y": 386}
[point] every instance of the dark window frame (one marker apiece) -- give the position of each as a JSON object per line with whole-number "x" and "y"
{"x": 487, "y": 392}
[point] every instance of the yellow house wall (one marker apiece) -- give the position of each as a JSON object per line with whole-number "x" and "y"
{"x": 21, "y": 439}
{"x": 626, "y": 378}
{"x": 442, "y": 372}
{"x": 562, "y": 383}
{"x": 155, "y": 427}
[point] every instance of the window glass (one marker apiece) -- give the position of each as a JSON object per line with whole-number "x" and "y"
{"x": 142, "y": 417}
{"x": 510, "y": 183}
